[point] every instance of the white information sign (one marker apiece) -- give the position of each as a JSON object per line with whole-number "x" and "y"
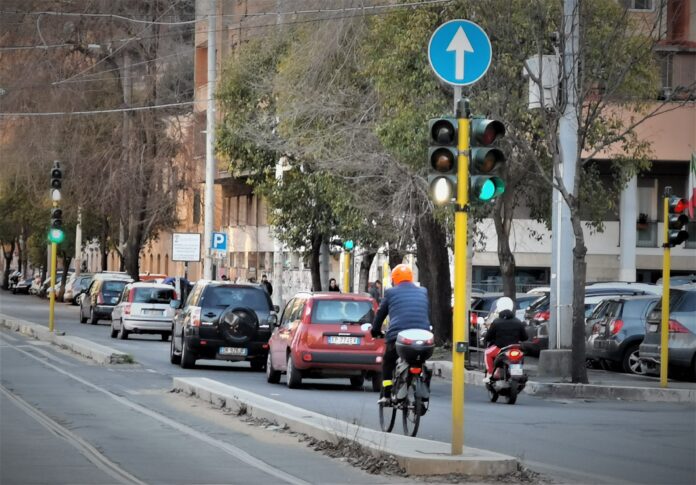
{"x": 186, "y": 246}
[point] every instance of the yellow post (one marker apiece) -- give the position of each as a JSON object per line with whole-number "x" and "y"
{"x": 459, "y": 334}
{"x": 346, "y": 271}
{"x": 52, "y": 304}
{"x": 664, "y": 326}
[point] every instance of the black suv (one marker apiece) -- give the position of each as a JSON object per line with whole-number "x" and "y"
{"x": 223, "y": 321}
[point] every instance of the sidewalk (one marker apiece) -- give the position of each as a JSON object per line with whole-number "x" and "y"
{"x": 416, "y": 456}
{"x": 602, "y": 385}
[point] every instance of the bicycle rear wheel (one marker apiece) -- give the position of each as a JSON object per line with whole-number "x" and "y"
{"x": 387, "y": 417}
{"x": 412, "y": 410}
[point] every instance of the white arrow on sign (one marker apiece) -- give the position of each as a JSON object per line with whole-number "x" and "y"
{"x": 459, "y": 45}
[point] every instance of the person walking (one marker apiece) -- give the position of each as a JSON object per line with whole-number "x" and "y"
{"x": 333, "y": 286}
{"x": 267, "y": 284}
{"x": 375, "y": 291}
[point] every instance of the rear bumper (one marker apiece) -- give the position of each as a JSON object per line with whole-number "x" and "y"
{"x": 210, "y": 348}
{"x": 144, "y": 325}
{"x": 316, "y": 360}
{"x": 102, "y": 311}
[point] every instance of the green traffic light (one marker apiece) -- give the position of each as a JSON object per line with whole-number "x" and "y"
{"x": 487, "y": 190}
{"x": 348, "y": 245}
{"x": 56, "y": 236}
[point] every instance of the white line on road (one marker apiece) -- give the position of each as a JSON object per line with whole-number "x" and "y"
{"x": 238, "y": 453}
{"x": 5, "y": 336}
{"x": 87, "y": 450}
{"x": 48, "y": 355}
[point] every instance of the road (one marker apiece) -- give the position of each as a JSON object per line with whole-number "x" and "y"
{"x": 597, "y": 442}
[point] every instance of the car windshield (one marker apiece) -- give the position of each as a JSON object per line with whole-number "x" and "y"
{"x": 112, "y": 287}
{"x": 224, "y": 296}
{"x": 341, "y": 311}
{"x": 153, "y": 295}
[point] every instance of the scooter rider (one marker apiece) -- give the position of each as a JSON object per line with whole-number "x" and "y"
{"x": 505, "y": 330}
{"x": 408, "y": 308}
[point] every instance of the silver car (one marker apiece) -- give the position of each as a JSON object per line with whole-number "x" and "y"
{"x": 143, "y": 308}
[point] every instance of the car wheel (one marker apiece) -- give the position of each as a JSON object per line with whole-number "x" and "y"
{"x": 165, "y": 336}
{"x": 294, "y": 378}
{"x": 357, "y": 381}
{"x": 173, "y": 358}
{"x": 631, "y": 361}
{"x": 123, "y": 333}
{"x": 82, "y": 318}
{"x": 272, "y": 375}
{"x": 92, "y": 317}
{"x": 188, "y": 358}
{"x": 114, "y": 332}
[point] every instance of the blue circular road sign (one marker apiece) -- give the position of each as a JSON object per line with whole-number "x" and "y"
{"x": 459, "y": 52}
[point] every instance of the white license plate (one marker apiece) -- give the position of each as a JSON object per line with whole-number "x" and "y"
{"x": 516, "y": 370}
{"x": 153, "y": 312}
{"x": 344, "y": 340}
{"x": 238, "y": 351}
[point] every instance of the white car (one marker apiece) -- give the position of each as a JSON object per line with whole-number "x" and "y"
{"x": 143, "y": 308}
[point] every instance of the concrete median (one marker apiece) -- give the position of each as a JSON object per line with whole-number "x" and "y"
{"x": 417, "y": 456}
{"x": 86, "y": 348}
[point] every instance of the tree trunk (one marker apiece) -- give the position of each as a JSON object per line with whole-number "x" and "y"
{"x": 396, "y": 256}
{"x": 578, "y": 369}
{"x": 503, "y": 223}
{"x": 314, "y": 265}
{"x": 365, "y": 266}
{"x": 434, "y": 274}
{"x": 8, "y": 262}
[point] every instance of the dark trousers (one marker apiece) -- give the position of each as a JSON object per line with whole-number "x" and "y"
{"x": 389, "y": 361}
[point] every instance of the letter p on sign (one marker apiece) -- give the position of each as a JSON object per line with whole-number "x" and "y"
{"x": 220, "y": 241}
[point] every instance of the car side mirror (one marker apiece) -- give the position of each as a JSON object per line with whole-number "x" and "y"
{"x": 276, "y": 308}
{"x": 175, "y": 304}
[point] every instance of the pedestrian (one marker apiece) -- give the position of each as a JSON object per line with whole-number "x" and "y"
{"x": 333, "y": 286}
{"x": 267, "y": 284}
{"x": 224, "y": 278}
{"x": 375, "y": 291}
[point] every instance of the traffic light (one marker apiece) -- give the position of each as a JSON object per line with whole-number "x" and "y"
{"x": 485, "y": 160}
{"x": 348, "y": 245}
{"x": 677, "y": 221}
{"x": 56, "y": 218}
{"x": 56, "y": 176}
{"x": 442, "y": 157}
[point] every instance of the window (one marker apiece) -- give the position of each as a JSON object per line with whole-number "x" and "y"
{"x": 638, "y": 4}
{"x": 196, "y": 207}
{"x": 226, "y": 203}
{"x": 251, "y": 210}
{"x": 234, "y": 211}
{"x": 153, "y": 295}
{"x": 337, "y": 311}
{"x": 224, "y": 296}
{"x": 242, "y": 215}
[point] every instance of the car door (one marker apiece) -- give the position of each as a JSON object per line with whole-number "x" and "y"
{"x": 85, "y": 300}
{"x": 282, "y": 335}
{"x": 183, "y": 315}
{"x": 118, "y": 309}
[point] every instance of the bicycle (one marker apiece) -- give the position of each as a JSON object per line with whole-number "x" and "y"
{"x": 411, "y": 387}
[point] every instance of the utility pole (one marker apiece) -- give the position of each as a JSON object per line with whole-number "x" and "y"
{"x": 560, "y": 328}
{"x": 127, "y": 85}
{"x": 210, "y": 166}
{"x": 78, "y": 242}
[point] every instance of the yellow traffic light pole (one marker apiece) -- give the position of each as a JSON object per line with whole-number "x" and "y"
{"x": 459, "y": 333}
{"x": 664, "y": 325}
{"x": 346, "y": 271}
{"x": 52, "y": 293}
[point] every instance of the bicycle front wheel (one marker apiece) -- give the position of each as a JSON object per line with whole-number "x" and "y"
{"x": 412, "y": 410}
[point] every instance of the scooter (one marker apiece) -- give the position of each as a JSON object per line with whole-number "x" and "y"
{"x": 508, "y": 377}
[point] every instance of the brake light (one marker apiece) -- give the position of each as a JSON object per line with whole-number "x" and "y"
{"x": 406, "y": 341}
{"x": 307, "y": 357}
{"x": 473, "y": 318}
{"x": 100, "y": 299}
{"x": 264, "y": 346}
{"x": 615, "y": 326}
{"x": 542, "y": 316}
{"x": 131, "y": 295}
{"x": 676, "y": 327}
{"x": 127, "y": 309}
{"x": 515, "y": 355}
{"x": 196, "y": 316}
{"x": 415, "y": 370}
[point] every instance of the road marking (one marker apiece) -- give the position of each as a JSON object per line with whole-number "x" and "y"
{"x": 9, "y": 337}
{"x": 87, "y": 450}
{"x": 50, "y": 356}
{"x": 236, "y": 452}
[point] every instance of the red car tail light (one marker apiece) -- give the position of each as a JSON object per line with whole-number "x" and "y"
{"x": 676, "y": 327}
{"x": 415, "y": 370}
{"x": 307, "y": 357}
{"x": 542, "y": 316}
{"x": 615, "y": 326}
{"x": 406, "y": 341}
{"x": 127, "y": 309}
{"x": 264, "y": 346}
{"x": 195, "y": 316}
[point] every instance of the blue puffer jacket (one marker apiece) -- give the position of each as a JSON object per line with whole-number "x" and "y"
{"x": 407, "y": 307}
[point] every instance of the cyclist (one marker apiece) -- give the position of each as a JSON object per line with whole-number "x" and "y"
{"x": 408, "y": 308}
{"x": 505, "y": 330}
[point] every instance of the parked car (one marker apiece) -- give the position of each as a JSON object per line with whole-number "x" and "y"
{"x": 682, "y": 332}
{"x": 324, "y": 335}
{"x": 22, "y": 286}
{"x": 143, "y": 308}
{"x": 224, "y": 321}
{"x": 14, "y": 278}
{"x": 617, "y": 334}
{"x": 45, "y": 286}
{"x": 36, "y": 284}
{"x": 538, "y": 314}
{"x": 99, "y": 300}
{"x": 75, "y": 286}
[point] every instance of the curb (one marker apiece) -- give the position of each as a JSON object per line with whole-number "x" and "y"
{"x": 86, "y": 348}
{"x": 579, "y": 391}
{"x": 417, "y": 456}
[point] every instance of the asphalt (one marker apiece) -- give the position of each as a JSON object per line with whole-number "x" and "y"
{"x": 588, "y": 440}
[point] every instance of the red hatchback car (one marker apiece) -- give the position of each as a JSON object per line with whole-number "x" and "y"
{"x": 323, "y": 335}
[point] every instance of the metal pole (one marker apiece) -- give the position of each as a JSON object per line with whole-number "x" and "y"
{"x": 78, "y": 242}
{"x": 664, "y": 325}
{"x": 346, "y": 271}
{"x": 459, "y": 334}
{"x": 52, "y": 293}
{"x": 209, "y": 147}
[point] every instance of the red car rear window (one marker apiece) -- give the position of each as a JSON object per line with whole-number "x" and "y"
{"x": 342, "y": 311}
